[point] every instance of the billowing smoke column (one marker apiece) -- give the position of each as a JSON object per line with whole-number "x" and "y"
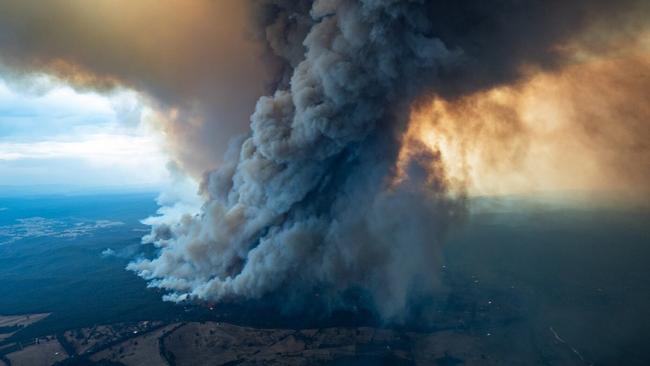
{"x": 306, "y": 199}
{"x": 311, "y": 197}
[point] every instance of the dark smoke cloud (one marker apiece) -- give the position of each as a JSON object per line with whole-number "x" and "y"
{"x": 311, "y": 198}
{"x": 192, "y": 58}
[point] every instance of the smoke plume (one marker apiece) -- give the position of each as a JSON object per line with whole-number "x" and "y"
{"x": 313, "y": 197}
{"x": 320, "y": 194}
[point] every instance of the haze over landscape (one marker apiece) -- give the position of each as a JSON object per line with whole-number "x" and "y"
{"x": 324, "y": 182}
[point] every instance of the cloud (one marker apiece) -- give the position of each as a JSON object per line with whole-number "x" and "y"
{"x": 59, "y": 111}
{"x": 192, "y": 60}
{"x": 42, "y": 134}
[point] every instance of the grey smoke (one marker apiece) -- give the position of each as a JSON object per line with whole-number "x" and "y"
{"x": 307, "y": 199}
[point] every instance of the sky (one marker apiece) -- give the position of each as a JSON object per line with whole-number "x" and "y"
{"x": 53, "y": 135}
{"x": 181, "y": 81}
{"x": 194, "y": 63}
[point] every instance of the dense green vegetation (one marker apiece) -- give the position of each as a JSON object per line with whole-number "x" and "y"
{"x": 577, "y": 272}
{"x": 69, "y": 277}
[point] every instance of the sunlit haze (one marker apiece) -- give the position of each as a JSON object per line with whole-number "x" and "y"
{"x": 51, "y": 134}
